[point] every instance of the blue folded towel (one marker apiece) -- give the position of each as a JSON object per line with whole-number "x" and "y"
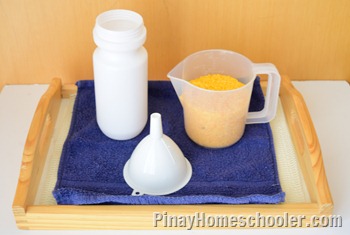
{"x": 91, "y": 166}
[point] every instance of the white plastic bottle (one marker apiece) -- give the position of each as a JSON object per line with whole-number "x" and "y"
{"x": 120, "y": 72}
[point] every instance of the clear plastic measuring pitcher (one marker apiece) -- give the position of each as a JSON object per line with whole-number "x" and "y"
{"x": 217, "y": 119}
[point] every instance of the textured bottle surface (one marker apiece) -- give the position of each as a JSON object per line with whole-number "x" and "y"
{"x": 120, "y": 65}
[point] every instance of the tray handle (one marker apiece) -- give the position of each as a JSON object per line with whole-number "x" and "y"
{"x": 307, "y": 145}
{"x": 37, "y": 144}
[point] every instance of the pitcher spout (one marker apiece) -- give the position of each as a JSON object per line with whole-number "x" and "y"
{"x": 176, "y": 78}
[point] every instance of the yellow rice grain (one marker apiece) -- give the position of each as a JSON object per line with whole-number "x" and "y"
{"x": 217, "y": 82}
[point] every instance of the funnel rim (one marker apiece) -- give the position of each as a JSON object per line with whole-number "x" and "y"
{"x": 174, "y": 189}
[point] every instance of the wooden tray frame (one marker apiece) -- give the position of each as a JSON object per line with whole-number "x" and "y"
{"x": 30, "y": 216}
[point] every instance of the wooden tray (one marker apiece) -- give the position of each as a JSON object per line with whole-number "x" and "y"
{"x": 30, "y": 216}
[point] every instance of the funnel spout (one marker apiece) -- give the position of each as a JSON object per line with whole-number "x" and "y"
{"x": 156, "y": 129}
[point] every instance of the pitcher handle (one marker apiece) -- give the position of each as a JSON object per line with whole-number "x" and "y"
{"x": 272, "y": 94}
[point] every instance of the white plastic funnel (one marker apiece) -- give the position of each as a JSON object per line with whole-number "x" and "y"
{"x": 157, "y": 166}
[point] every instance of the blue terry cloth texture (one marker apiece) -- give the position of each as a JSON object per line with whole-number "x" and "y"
{"x": 91, "y": 165}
